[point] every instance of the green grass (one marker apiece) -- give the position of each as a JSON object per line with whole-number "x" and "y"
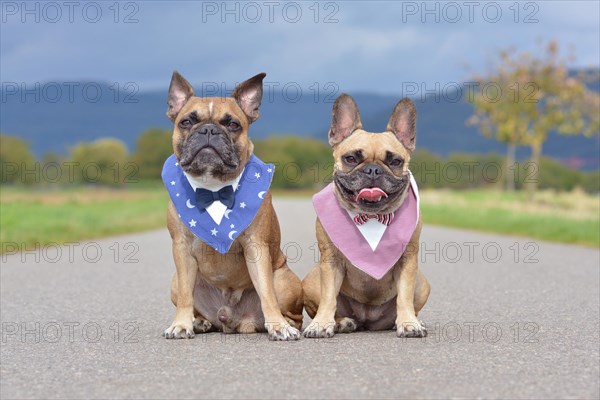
{"x": 559, "y": 217}
{"x": 32, "y": 216}
{"x": 549, "y": 228}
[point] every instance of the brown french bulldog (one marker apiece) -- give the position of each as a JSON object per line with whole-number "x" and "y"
{"x": 371, "y": 178}
{"x": 250, "y": 287}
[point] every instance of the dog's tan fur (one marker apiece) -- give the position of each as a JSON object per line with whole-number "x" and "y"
{"x": 251, "y": 284}
{"x": 340, "y": 297}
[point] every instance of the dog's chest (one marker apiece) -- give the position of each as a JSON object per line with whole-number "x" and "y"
{"x": 227, "y": 270}
{"x": 366, "y": 289}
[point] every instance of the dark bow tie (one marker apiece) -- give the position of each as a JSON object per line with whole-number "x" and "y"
{"x": 205, "y": 197}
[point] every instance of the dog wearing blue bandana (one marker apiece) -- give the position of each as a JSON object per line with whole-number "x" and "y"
{"x": 231, "y": 274}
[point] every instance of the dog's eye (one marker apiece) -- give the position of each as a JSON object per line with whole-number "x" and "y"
{"x": 233, "y": 125}
{"x": 396, "y": 162}
{"x": 185, "y": 123}
{"x": 350, "y": 159}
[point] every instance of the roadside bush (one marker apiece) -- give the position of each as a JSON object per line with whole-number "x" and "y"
{"x": 15, "y": 160}
{"x": 153, "y": 147}
{"x": 104, "y": 161}
{"x": 300, "y": 163}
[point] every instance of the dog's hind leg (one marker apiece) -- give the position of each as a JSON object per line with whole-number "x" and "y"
{"x": 422, "y": 290}
{"x": 200, "y": 323}
{"x": 288, "y": 290}
{"x": 311, "y": 290}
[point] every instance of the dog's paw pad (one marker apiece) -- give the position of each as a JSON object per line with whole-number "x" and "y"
{"x": 345, "y": 325}
{"x": 202, "y": 326}
{"x": 319, "y": 330}
{"x": 283, "y": 332}
{"x": 177, "y": 331}
{"x": 411, "y": 329}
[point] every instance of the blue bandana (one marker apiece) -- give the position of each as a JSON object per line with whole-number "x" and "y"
{"x": 251, "y": 190}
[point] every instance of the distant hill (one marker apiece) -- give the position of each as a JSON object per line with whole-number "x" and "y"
{"x": 57, "y": 126}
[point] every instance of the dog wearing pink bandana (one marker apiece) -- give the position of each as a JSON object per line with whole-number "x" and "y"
{"x": 368, "y": 228}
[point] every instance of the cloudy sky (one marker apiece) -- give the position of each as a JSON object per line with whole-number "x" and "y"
{"x": 359, "y": 45}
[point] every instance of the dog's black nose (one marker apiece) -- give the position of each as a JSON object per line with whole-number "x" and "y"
{"x": 209, "y": 129}
{"x": 372, "y": 170}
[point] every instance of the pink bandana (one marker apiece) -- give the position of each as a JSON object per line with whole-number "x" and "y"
{"x": 346, "y": 236}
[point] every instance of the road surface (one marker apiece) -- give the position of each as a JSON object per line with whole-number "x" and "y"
{"x": 508, "y": 318}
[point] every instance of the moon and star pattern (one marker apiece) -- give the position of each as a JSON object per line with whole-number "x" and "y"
{"x": 250, "y": 193}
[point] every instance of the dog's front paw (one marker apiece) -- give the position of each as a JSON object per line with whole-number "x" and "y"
{"x": 410, "y": 327}
{"x": 180, "y": 330}
{"x": 282, "y": 331}
{"x": 318, "y": 329}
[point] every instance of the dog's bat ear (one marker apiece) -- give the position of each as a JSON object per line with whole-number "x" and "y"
{"x": 248, "y": 95}
{"x": 345, "y": 119}
{"x": 403, "y": 123}
{"x": 180, "y": 92}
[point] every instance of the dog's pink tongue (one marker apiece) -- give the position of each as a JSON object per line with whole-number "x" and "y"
{"x": 371, "y": 194}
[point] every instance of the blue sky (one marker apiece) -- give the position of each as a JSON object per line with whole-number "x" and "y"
{"x": 365, "y": 46}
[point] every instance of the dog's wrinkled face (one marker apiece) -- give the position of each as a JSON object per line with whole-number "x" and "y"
{"x": 371, "y": 169}
{"x": 210, "y": 135}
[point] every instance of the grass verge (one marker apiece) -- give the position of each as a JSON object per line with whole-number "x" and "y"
{"x": 35, "y": 217}
{"x": 572, "y": 217}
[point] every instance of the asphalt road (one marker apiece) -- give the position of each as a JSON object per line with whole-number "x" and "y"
{"x": 508, "y": 318}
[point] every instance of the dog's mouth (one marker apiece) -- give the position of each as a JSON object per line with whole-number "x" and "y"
{"x": 371, "y": 196}
{"x": 208, "y": 159}
{"x": 207, "y": 150}
{"x": 205, "y": 155}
